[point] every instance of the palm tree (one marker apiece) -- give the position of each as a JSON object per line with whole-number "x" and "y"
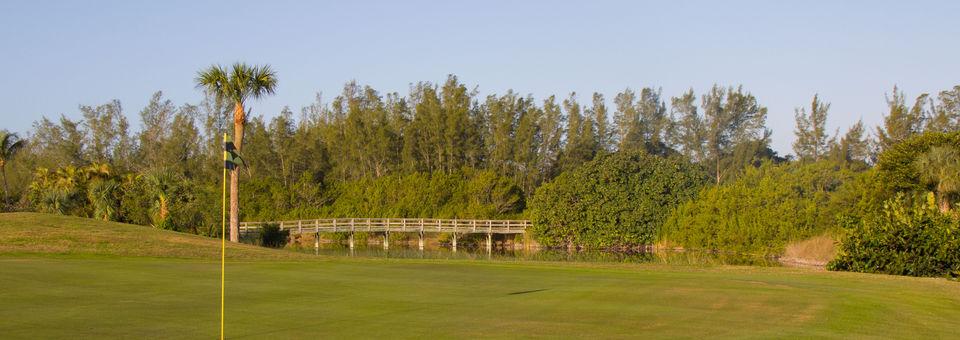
{"x": 940, "y": 167}
{"x": 10, "y": 145}
{"x": 235, "y": 85}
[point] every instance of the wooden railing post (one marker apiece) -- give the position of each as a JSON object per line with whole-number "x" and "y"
{"x": 489, "y": 242}
{"x": 420, "y": 243}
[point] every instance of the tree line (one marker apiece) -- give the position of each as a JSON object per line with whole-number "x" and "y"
{"x": 324, "y": 159}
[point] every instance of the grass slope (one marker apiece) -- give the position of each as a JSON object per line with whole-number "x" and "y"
{"x": 32, "y": 233}
{"x": 149, "y": 297}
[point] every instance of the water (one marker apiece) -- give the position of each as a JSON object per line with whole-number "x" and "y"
{"x": 401, "y": 251}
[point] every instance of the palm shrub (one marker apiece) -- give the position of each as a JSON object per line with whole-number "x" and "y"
{"x": 103, "y": 197}
{"x": 67, "y": 190}
{"x": 164, "y": 188}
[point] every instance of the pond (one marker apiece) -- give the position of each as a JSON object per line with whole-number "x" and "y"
{"x": 402, "y": 251}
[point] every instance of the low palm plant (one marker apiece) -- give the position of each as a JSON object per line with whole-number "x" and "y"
{"x": 163, "y": 185}
{"x": 102, "y": 196}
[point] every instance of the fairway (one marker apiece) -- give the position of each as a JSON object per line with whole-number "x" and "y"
{"x": 92, "y": 294}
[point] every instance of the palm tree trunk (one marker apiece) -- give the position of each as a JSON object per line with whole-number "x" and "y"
{"x": 6, "y": 190}
{"x": 239, "y": 120}
{"x": 943, "y": 199}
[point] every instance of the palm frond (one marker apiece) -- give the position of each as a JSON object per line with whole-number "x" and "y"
{"x": 215, "y": 80}
{"x": 263, "y": 81}
{"x": 10, "y": 145}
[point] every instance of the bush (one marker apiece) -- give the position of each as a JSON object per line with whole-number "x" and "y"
{"x": 897, "y": 165}
{"x": 906, "y": 237}
{"x": 762, "y": 210}
{"x": 617, "y": 200}
{"x": 271, "y": 236}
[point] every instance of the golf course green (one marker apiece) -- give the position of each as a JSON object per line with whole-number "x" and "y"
{"x": 67, "y": 277}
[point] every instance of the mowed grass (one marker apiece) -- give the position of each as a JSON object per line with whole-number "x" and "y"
{"x": 43, "y": 234}
{"x": 96, "y": 294}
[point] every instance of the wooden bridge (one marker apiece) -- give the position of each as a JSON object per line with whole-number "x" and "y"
{"x": 395, "y": 225}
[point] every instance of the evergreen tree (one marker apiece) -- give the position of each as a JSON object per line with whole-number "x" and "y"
{"x": 424, "y": 142}
{"x": 629, "y": 135}
{"x": 901, "y": 120}
{"x": 458, "y": 130}
{"x": 58, "y": 145}
{"x": 551, "y": 127}
{"x": 527, "y": 140}
{"x": 811, "y": 131}
{"x": 502, "y": 113}
{"x": 853, "y": 146}
{"x": 155, "y": 123}
{"x": 281, "y": 131}
{"x": 945, "y": 116}
{"x": 581, "y": 143}
{"x": 689, "y": 131}
{"x": 106, "y": 137}
{"x": 604, "y": 135}
{"x": 733, "y": 118}
{"x": 653, "y": 121}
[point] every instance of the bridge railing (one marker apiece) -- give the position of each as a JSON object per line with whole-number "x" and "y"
{"x": 329, "y": 225}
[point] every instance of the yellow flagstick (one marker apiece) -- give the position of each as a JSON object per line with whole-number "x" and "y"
{"x": 223, "y": 232}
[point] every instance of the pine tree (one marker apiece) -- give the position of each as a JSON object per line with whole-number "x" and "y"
{"x": 551, "y": 127}
{"x": 811, "y": 131}
{"x": 604, "y": 135}
{"x": 627, "y": 121}
{"x": 732, "y": 118}
{"x": 689, "y": 131}
{"x": 653, "y": 121}
{"x": 580, "y": 144}
{"x": 853, "y": 146}
{"x": 901, "y": 121}
{"x": 945, "y": 116}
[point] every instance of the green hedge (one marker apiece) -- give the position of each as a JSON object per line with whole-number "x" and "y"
{"x": 617, "y": 200}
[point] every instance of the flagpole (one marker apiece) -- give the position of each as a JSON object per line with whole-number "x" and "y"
{"x": 223, "y": 233}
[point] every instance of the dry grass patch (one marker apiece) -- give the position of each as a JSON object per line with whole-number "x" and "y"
{"x": 815, "y": 251}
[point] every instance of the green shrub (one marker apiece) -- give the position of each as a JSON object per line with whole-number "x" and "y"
{"x": 617, "y": 200}
{"x": 897, "y": 165}
{"x": 761, "y": 211}
{"x": 906, "y": 237}
{"x": 271, "y": 236}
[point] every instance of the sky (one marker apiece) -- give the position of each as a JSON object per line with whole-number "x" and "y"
{"x": 58, "y": 55}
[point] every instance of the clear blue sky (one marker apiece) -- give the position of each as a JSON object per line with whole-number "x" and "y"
{"x": 58, "y": 55}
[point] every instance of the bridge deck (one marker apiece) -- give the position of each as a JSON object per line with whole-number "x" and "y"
{"x": 332, "y": 225}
